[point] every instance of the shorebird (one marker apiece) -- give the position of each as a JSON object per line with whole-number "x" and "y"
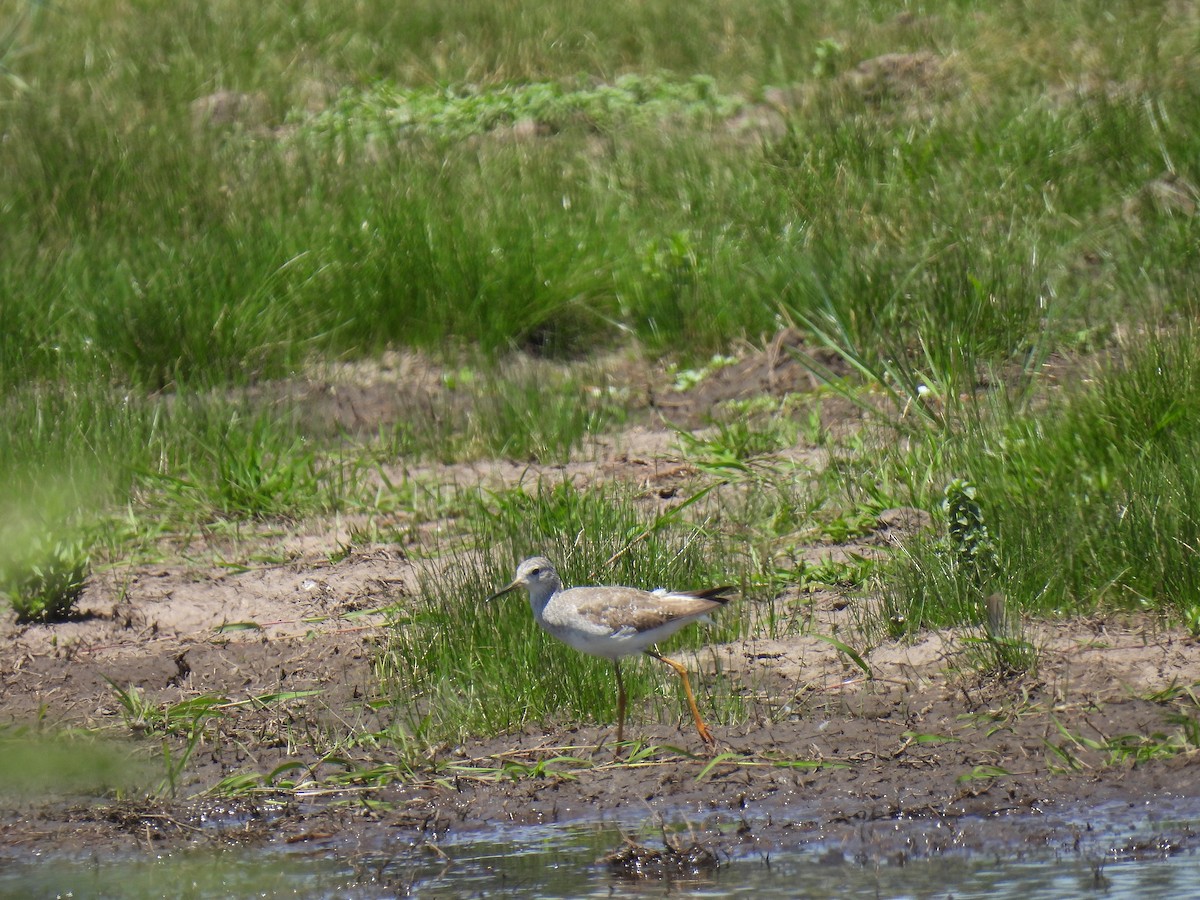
{"x": 612, "y": 622}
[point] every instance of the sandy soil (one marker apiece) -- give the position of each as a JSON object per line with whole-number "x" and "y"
{"x": 916, "y": 760}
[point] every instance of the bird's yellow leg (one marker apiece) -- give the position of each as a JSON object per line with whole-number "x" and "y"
{"x": 705, "y": 734}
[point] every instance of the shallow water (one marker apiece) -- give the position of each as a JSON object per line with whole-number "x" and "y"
{"x": 1118, "y": 852}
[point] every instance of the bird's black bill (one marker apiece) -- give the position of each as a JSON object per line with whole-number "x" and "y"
{"x": 501, "y": 592}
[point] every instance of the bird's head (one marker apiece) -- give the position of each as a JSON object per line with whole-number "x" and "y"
{"x": 533, "y": 573}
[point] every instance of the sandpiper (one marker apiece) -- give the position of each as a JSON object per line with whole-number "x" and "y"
{"x": 612, "y": 622}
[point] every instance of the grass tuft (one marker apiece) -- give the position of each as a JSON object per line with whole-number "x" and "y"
{"x": 46, "y": 585}
{"x": 456, "y": 666}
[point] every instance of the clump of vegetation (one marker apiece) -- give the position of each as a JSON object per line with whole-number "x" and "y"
{"x": 966, "y": 529}
{"x": 456, "y": 666}
{"x": 47, "y": 584}
{"x": 460, "y": 111}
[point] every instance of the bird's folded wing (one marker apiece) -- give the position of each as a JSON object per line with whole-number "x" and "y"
{"x": 629, "y": 608}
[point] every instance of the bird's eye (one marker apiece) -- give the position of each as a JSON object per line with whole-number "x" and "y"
{"x": 536, "y": 572}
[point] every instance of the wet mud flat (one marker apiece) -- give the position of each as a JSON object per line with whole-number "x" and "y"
{"x": 1090, "y": 761}
{"x": 1131, "y": 834}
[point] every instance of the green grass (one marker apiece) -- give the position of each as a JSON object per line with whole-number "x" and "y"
{"x": 390, "y": 111}
{"x": 1090, "y": 503}
{"x": 153, "y": 254}
{"x": 456, "y": 666}
{"x": 1179, "y": 734}
{"x": 44, "y": 583}
{"x": 533, "y": 413}
{"x": 945, "y": 233}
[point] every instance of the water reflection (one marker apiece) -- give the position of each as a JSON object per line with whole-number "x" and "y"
{"x": 563, "y": 861}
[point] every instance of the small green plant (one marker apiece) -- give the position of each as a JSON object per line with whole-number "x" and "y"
{"x": 674, "y": 268}
{"x": 186, "y": 720}
{"x": 827, "y": 573}
{"x": 1128, "y": 748}
{"x": 854, "y": 523}
{"x": 1001, "y": 649}
{"x": 253, "y": 469}
{"x": 983, "y": 773}
{"x": 970, "y": 542}
{"x": 1191, "y": 620}
{"x": 179, "y": 719}
{"x": 254, "y": 480}
{"x": 1002, "y": 656}
{"x": 526, "y": 412}
{"x": 558, "y": 768}
{"x": 522, "y": 419}
{"x": 849, "y": 652}
{"x": 673, "y": 260}
{"x": 731, "y": 446}
{"x": 827, "y": 55}
{"x": 46, "y": 586}
{"x": 686, "y": 379}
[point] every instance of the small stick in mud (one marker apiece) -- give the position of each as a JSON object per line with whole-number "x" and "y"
{"x": 612, "y": 622}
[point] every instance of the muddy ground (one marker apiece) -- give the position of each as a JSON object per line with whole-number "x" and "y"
{"x": 927, "y": 756}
